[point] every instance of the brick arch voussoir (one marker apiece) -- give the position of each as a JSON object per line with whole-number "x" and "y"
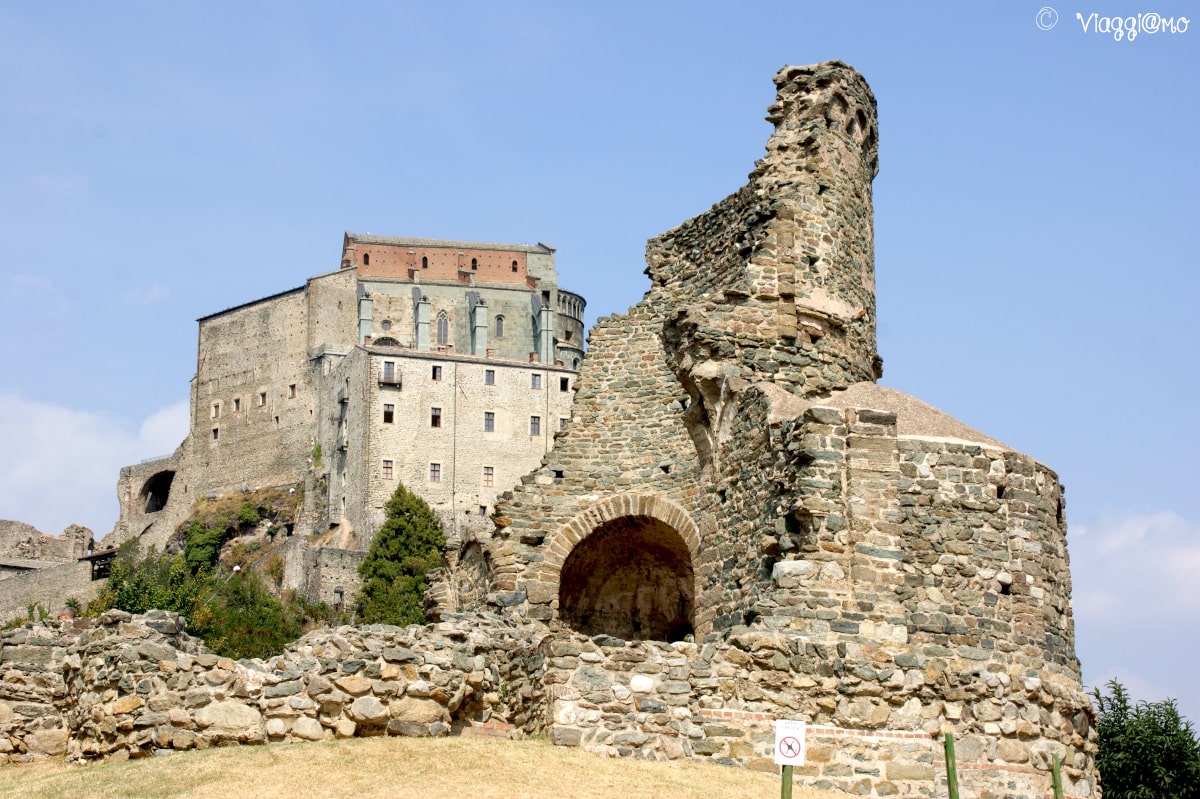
{"x": 586, "y": 522}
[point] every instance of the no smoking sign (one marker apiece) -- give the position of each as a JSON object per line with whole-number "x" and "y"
{"x": 789, "y": 742}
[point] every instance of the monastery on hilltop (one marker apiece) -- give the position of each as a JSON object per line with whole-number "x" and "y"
{"x": 447, "y": 366}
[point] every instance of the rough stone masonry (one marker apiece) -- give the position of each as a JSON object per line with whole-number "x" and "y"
{"x": 738, "y": 525}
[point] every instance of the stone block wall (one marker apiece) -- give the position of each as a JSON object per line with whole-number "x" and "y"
{"x": 49, "y": 588}
{"x": 129, "y": 686}
{"x": 32, "y": 690}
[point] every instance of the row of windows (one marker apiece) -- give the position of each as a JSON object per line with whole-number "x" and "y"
{"x": 237, "y": 402}
{"x": 435, "y": 473}
{"x": 489, "y": 420}
{"x": 489, "y": 377}
{"x": 425, "y": 262}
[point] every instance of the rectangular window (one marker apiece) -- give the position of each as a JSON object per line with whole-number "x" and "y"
{"x": 389, "y": 414}
{"x": 489, "y": 377}
{"x": 564, "y": 384}
{"x": 292, "y": 391}
{"x": 483, "y": 510}
{"x": 435, "y": 472}
{"x": 535, "y": 381}
{"x": 489, "y": 422}
{"x": 216, "y": 410}
{"x": 535, "y": 425}
{"x": 435, "y": 417}
{"x": 237, "y": 404}
{"x": 216, "y": 433}
{"x": 262, "y": 398}
{"x": 562, "y": 423}
{"x": 387, "y": 470}
{"x": 437, "y": 373}
{"x": 389, "y": 372}
{"x": 489, "y": 476}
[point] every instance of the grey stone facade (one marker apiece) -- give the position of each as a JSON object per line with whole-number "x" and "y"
{"x": 446, "y": 365}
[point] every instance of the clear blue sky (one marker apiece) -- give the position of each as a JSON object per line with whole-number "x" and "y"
{"x": 1035, "y": 219}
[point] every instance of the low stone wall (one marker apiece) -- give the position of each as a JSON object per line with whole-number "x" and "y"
{"x": 719, "y": 701}
{"x": 32, "y": 689}
{"x": 49, "y": 587}
{"x": 123, "y": 686}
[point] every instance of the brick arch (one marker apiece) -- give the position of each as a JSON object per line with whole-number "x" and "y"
{"x": 654, "y": 506}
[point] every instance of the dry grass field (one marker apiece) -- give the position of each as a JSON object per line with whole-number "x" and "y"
{"x": 391, "y": 768}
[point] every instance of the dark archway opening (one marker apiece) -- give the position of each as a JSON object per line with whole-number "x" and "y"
{"x": 631, "y": 578}
{"x": 157, "y": 491}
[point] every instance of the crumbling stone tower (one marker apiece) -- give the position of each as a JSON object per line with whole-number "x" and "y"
{"x": 847, "y": 554}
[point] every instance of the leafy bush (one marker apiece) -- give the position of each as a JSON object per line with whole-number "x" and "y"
{"x": 1147, "y": 750}
{"x": 247, "y": 515}
{"x": 241, "y": 619}
{"x": 406, "y": 547}
{"x": 234, "y": 613}
{"x": 137, "y": 584}
{"x": 202, "y": 545}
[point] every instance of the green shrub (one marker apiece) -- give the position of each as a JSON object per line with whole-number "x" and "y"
{"x": 247, "y": 515}
{"x": 202, "y": 545}
{"x": 241, "y": 619}
{"x": 406, "y": 547}
{"x": 137, "y": 584}
{"x": 1147, "y": 750}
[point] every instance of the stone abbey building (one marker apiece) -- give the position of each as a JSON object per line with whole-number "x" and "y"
{"x": 448, "y": 366}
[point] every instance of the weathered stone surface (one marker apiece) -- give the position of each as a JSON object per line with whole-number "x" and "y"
{"x": 307, "y": 729}
{"x": 230, "y": 719}
{"x": 47, "y": 742}
{"x": 367, "y": 710}
{"x": 421, "y": 711}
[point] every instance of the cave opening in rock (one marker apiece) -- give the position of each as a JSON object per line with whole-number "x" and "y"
{"x": 631, "y": 578}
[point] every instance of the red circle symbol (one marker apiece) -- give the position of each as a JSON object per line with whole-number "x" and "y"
{"x": 789, "y": 747}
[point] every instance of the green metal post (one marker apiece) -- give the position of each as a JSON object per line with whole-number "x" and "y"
{"x": 1056, "y": 779}
{"x": 785, "y": 790}
{"x": 951, "y": 767}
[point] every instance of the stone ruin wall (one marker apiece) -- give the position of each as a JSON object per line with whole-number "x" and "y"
{"x": 919, "y": 581}
{"x": 130, "y": 686}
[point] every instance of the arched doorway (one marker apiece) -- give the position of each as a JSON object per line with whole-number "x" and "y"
{"x": 157, "y": 490}
{"x": 632, "y": 578}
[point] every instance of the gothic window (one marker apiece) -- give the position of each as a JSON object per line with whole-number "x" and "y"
{"x": 499, "y": 327}
{"x": 514, "y": 266}
{"x": 424, "y": 262}
{"x": 443, "y": 329}
{"x": 474, "y": 265}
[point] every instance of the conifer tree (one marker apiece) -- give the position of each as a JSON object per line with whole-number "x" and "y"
{"x": 407, "y": 546}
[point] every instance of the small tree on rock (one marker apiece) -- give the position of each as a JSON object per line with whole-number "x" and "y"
{"x": 1147, "y": 750}
{"x": 407, "y": 546}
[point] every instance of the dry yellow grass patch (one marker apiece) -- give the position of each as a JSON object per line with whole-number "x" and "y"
{"x": 392, "y": 768}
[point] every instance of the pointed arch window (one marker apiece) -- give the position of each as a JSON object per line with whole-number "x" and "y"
{"x": 499, "y": 327}
{"x": 443, "y": 329}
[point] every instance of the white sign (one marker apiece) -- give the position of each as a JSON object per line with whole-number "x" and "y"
{"x": 789, "y": 742}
